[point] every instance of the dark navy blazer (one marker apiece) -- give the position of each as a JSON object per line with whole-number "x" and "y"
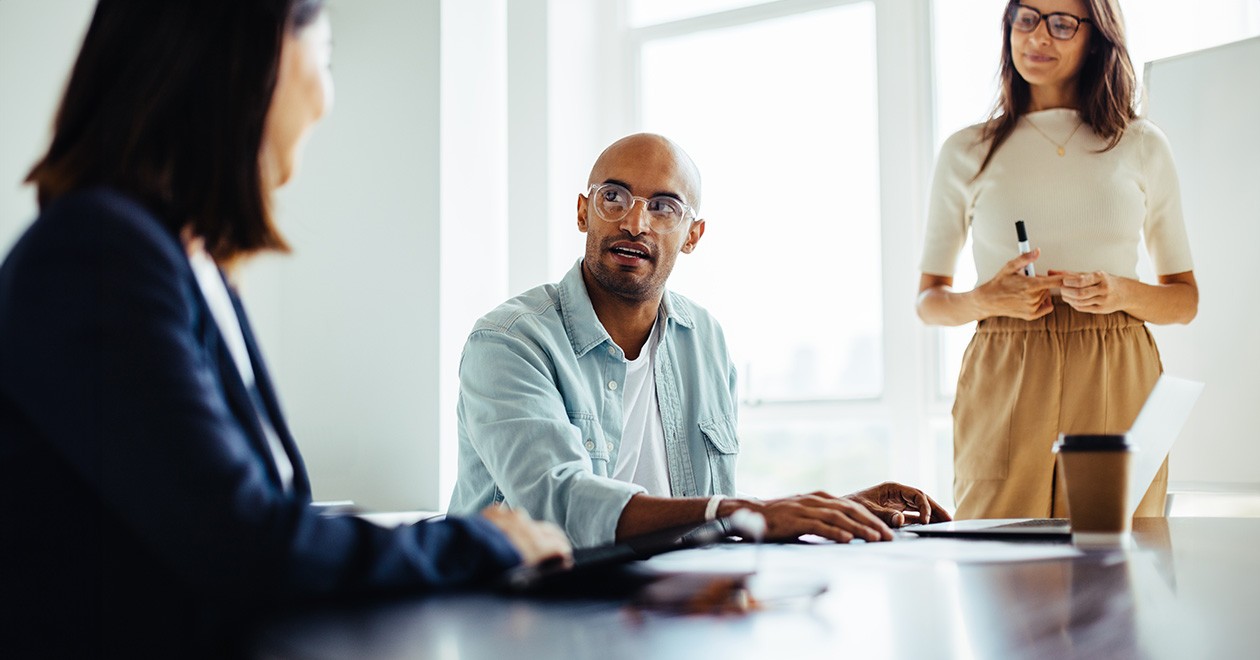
{"x": 142, "y": 509}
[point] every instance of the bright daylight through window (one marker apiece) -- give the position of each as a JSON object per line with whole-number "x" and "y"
{"x": 793, "y": 220}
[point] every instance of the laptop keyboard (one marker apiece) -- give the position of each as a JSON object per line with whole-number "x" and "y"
{"x": 1035, "y": 523}
{"x": 601, "y": 554}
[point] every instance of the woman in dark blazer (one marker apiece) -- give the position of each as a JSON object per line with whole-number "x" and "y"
{"x": 154, "y": 499}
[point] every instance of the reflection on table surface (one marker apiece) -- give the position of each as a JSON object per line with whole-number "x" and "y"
{"x": 1189, "y": 587}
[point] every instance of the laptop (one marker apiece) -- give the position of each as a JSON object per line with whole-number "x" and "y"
{"x": 1163, "y": 415}
{"x": 612, "y": 570}
{"x": 998, "y": 529}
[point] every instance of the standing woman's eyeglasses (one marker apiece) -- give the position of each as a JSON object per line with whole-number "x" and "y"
{"x": 1060, "y": 25}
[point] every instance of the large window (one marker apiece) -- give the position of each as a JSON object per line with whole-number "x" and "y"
{"x": 779, "y": 105}
{"x": 649, "y": 12}
{"x": 792, "y": 205}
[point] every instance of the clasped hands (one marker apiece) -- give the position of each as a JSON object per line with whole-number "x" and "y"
{"x": 1011, "y": 293}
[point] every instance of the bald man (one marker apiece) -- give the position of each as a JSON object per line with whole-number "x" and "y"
{"x": 606, "y": 403}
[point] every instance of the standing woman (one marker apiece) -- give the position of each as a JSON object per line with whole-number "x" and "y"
{"x": 155, "y": 502}
{"x": 1066, "y": 350}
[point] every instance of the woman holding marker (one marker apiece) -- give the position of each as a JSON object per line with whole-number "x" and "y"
{"x": 1067, "y": 350}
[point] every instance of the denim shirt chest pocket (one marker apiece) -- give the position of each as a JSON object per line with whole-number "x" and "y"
{"x": 593, "y": 440}
{"x": 722, "y": 447}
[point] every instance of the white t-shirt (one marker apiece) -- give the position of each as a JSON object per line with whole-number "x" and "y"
{"x": 216, "y": 295}
{"x": 641, "y": 458}
{"x": 1087, "y": 210}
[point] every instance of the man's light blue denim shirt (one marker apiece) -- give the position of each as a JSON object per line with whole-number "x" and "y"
{"x": 540, "y": 410}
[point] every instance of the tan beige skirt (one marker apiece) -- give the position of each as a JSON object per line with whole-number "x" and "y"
{"x": 1024, "y": 382}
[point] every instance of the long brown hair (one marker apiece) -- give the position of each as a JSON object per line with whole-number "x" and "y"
{"x": 1106, "y": 85}
{"x": 167, "y": 101}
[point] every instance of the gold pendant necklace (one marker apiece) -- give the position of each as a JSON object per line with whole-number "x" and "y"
{"x": 1058, "y": 146}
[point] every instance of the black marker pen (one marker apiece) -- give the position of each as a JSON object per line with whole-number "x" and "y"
{"x": 1022, "y": 235}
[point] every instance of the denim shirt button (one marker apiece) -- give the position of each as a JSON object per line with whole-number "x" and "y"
{"x": 609, "y": 445}
{"x": 612, "y": 350}
{"x": 590, "y": 444}
{"x": 612, "y": 385}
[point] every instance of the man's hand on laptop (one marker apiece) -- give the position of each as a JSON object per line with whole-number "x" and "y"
{"x": 535, "y": 540}
{"x": 899, "y": 505}
{"x": 868, "y": 514}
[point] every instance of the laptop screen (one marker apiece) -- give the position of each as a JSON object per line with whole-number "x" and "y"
{"x": 589, "y": 563}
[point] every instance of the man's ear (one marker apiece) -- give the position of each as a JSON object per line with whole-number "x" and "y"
{"x": 581, "y": 213}
{"x": 693, "y": 236}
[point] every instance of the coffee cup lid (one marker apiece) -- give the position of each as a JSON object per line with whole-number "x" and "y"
{"x": 1092, "y": 442}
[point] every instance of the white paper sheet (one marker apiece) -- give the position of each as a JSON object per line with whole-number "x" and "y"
{"x": 1156, "y": 429}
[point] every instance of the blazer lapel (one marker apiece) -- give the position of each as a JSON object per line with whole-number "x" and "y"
{"x": 267, "y": 392}
{"x": 238, "y": 398}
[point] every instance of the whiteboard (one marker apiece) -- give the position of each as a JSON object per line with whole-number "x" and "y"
{"x": 1208, "y": 102}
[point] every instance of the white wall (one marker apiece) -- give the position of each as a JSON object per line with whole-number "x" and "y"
{"x": 1208, "y": 103}
{"x": 474, "y": 195}
{"x": 350, "y": 320}
{"x": 590, "y": 106}
{"x": 38, "y": 42}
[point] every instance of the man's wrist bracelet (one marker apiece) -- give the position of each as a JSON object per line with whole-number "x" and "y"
{"x": 710, "y": 509}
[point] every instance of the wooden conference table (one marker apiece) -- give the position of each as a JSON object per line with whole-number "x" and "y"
{"x": 1188, "y": 588}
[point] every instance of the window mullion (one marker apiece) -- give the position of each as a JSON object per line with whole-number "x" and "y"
{"x": 903, "y": 37}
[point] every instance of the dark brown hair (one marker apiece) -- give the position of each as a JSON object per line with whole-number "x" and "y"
{"x": 167, "y": 102}
{"x": 1106, "y": 85}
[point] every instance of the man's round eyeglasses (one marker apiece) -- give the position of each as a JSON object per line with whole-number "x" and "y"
{"x": 1061, "y": 26}
{"x": 613, "y": 203}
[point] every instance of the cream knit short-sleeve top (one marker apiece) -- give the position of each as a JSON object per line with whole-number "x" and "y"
{"x": 1087, "y": 210}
